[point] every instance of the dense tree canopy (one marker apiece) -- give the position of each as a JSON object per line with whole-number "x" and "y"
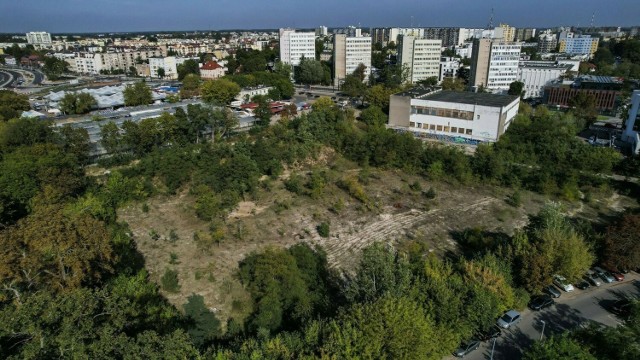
{"x": 137, "y": 94}
{"x": 219, "y": 92}
{"x": 12, "y": 105}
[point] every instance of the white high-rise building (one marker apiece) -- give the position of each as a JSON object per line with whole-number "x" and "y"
{"x": 39, "y": 37}
{"x": 296, "y": 45}
{"x": 536, "y": 75}
{"x": 494, "y": 64}
{"x": 395, "y": 33}
{"x": 348, "y": 53}
{"x": 420, "y": 56}
{"x": 167, "y": 63}
{"x": 322, "y": 31}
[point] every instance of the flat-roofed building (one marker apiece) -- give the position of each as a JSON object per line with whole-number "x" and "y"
{"x": 420, "y": 56}
{"x": 296, "y": 45}
{"x": 536, "y": 75}
{"x": 452, "y": 116}
{"x": 348, "y": 53}
{"x": 605, "y": 89}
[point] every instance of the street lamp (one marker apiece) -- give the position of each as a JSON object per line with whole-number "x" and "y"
{"x": 543, "y": 325}
{"x": 493, "y": 346}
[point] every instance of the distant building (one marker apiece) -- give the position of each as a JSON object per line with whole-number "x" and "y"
{"x": 395, "y": 33}
{"x": 449, "y": 36}
{"x": 39, "y": 38}
{"x": 246, "y": 94}
{"x": 450, "y": 115}
{"x": 536, "y": 75}
{"x": 322, "y": 31}
{"x": 420, "y": 56}
{"x": 167, "y": 63}
{"x": 348, "y": 53}
{"x": 494, "y": 64}
{"x": 212, "y": 70}
{"x": 574, "y": 44}
{"x": 449, "y": 67}
{"x": 296, "y": 45}
{"x": 606, "y": 90}
{"x": 505, "y": 32}
{"x": 524, "y": 34}
{"x": 547, "y": 42}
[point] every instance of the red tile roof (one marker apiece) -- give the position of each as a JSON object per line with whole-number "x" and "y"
{"x": 210, "y": 65}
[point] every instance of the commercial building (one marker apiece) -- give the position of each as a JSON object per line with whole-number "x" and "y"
{"x": 505, "y": 32}
{"x": 452, "y": 116}
{"x": 296, "y": 45}
{"x": 420, "y": 56}
{"x": 536, "y": 75}
{"x": 547, "y": 42}
{"x": 167, "y": 63}
{"x": 574, "y": 44}
{"x": 524, "y": 34}
{"x": 39, "y": 38}
{"x": 605, "y": 89}
{"x": 348, "y": 53}
{"x": 494, "y": 64}
{"x": 449, "y": 67}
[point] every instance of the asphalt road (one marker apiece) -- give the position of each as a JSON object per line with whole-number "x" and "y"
{"x": 570, "y": 311}
{"x": 6, "y": 78}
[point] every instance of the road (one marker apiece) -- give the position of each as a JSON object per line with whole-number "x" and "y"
{"x": 570, "y": 311}
{"x": 7, "y": 77}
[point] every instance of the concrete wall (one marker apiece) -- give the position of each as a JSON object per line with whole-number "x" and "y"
{"x": 399, "y": 110}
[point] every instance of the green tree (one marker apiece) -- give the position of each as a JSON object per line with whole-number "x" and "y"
{"x": 12, "y": 104}
{"x": 323, "y": 104}
{"x": 354, "y": 87}
{"x": 161, "y": 73}
{"x": 583, "y": 106}
{"x": 222, "y": 122}
{"x": 77, "y": 103}
{"x": 137, "y": 94}
{"x": 515, "y": 88}
{"x": 219, "y": 92}
{"x": 190, "y": 86}
{"x": 309, "y": 72}
{"x": 622, "y": 250}
{"x": 203, "y": 326}
{"x": 430, "y": 81}
{"x": 373, "y": 116}
{"x": 188, "y": 67}
{"x": 559, "y": 347}
{"x": 283, "y": 69}
{"x": 378, "y": 96}
{"x": 111, "y": 138}
{"x": 54, "y": 68}
{"x": 452, "y": 84}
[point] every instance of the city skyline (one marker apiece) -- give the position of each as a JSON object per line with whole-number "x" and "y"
{"x": 77, "y": 16}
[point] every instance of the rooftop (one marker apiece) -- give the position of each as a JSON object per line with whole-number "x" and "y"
{"x": 544, "y": 65}
{"x": 484, "y": 99}
{"x": 600, "y": 79}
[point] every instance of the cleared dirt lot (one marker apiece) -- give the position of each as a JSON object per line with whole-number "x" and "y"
{"x": 398, "y": 210}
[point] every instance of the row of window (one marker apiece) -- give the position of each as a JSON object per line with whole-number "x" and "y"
{"x": 449, "y": 113}
{"x": 448, "y": 129}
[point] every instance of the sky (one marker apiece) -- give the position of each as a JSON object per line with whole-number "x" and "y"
{"x": 60, "y": 16}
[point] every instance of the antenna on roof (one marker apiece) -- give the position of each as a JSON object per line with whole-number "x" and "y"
{"x": 593, "y": 16}
{"x": 490, "y": 26}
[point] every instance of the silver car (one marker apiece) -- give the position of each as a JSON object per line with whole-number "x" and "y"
{"x": 510, "y": 318}
{"x": 604, "y": 275}
{"x": 593, "y": 279}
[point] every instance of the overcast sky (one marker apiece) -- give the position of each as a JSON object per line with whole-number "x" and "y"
{"x": 155, "y": 15}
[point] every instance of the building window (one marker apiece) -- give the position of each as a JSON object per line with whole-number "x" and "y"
{"x": 478, "y": 117}
{"x": 460, "y": 131}
{"x": 454, "y": 129}
{"x": 412, "y": 124}
{"x": 469, "y": 132}
{"x": 432, "y": 127}
{"x": 446, "y": 129}
{"x": 439, "y": 127}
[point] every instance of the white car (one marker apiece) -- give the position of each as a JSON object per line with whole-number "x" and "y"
{"x": 562, "y": 283}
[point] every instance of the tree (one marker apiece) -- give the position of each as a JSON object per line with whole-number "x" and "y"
{"x": 51, "y": 250}
{"x": 283, "y": 69}
{"x": 430, "y": 81}
{"x": 161, "y": 73}
{"x": 54, "y": 68}
{"x": 222, "y": 122}
{"x": 323, "y": 104}
{"x": 378, "y": 96}
{"x": 12, "y": 104}
{"x": 77, "y": 103}
{"x": 584, "y": 107}
{"x": 190, "y": 86}
{"x": 373, "y": 116}
{"x": 354, "y": 87}
{"x": 453, "y": 84}
{"x": 263, "y": 111}
{"x": 219, "y": 92}
{"x": 621, "y": 245}
{"x": 203, "y": 326}
{"x": 515, "y": 88}
{"x": 111, "y": 138}
{"x": 188, "y": 67}
{"x": 558, "y": 347}
{"x": 137, "y": 94}
{"x": 309, "y": 72}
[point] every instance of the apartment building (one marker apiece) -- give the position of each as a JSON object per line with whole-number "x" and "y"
{"x": 167, "y": 63}
{"x": 449, "y": 67}
{"x": 505, "y": 32}
{"x": 296, "y": 45}
{"x": 536, "y": 75}
{"x": 420, "y": 56}
{"x": 574, "y": 44}
{"x": 547, "y": 42}
{"x": 322, "y": 31}
{"x": 494, "y": 64}
{"x": 524, "y": 34}
{"x": 348, "y": 53}
{"x": 39, "y": 38}
{"x": 93, "y": 63}
{"x": 452, "y": 116}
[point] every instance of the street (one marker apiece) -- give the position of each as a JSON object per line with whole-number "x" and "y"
{"x": 570, "y": 311}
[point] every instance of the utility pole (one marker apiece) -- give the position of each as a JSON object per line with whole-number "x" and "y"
{"x": 542, "y": 333}
{"x": 493, "y": 346}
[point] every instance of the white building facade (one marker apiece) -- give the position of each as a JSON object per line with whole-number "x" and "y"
{"x": 536, "y": 75}
{"x": 167, "y": 63}
{"x": 503, "y": 65}
{"x": 296, "y": 45}
{"x": 349, "y": 53}
{"x": 420, "y": 56}
{"x": 449, "y": 67}
{"x": 449, "y": 115}
{"x": 39, "y": 38}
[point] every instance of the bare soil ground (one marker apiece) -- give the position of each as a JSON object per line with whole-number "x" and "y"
{"x": 278, "y": 218}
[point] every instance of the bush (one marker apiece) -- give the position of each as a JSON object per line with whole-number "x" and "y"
{"x": 323, "y": 229}
{"x": 429, "y": 194}
{"x": 514, "y": 199}
{"x": 169, "y": 281}
{"x": 415, "y": 186}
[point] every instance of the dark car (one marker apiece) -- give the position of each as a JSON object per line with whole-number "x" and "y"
{"x": 622, "y": 308}
{"x": 552, "y": 290}
{"x": 492, "y": 333}
{"x": 583, "y": 285}
{"x": 466, "y": 348}
{"x": 541, "y": 302}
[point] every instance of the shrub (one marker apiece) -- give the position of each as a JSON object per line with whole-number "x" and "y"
{"x": 323, "y": 229}
{"x": 169, "y": 281}
{"x": 415, "y": 186}
{"x": 429, "y": 194}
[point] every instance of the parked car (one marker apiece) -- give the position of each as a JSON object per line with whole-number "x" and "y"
{"x": 616, "y": 275}
{"x": 466, "y": 348}
{"x": 552, "y": 290}
{"x": 583, "y": 285}
{"x": 491, "y": 333}
{"x": 604, "y": 275}
{"x": 622, "y": 308}
{"x": 510, "y": 318}
{"x": 540, "y": 302}
{"x": 593, "y": 279}
{"x": 561, "y": 282}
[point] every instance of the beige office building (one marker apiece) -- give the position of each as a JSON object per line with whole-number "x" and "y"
{"x": 348, "y": 53}
{"x": 420, "y": 56}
